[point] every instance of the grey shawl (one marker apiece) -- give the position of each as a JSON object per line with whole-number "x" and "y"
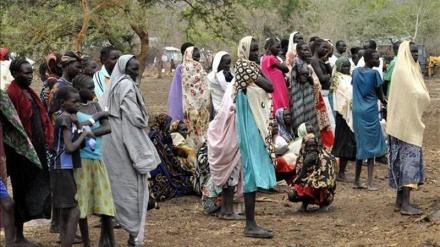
{"x": 128, "y": 152}
{"x": 302, "y": 100}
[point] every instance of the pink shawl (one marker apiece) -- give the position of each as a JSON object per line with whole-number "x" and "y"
{"x": 223, "y": 151}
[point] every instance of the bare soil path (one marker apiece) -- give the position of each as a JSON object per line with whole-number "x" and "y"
{"x": 357, "y": 217}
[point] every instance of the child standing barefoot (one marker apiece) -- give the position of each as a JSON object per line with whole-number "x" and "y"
{"x": 67, "y": 143}
{"x": 94, "y": 192}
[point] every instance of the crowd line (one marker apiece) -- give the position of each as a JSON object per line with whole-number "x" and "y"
{"x": 297, "y": 114}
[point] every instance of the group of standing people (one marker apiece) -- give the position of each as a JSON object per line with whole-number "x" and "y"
{"x": 72, "y": 152}
{"x": 297, "y": 114}
{"x": 81, "y": 146}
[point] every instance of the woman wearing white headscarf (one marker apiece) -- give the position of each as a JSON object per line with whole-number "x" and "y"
{"x": 128, "y": 152}
{"x": 219, "y": 78}
{"x": 408, "y": 99}
{"x": 254, "y": 124}
{"x": 294, "y": 38}
{"x": 196, "y": 98}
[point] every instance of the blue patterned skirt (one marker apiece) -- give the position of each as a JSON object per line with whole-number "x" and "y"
{"x": 406, "y": 164}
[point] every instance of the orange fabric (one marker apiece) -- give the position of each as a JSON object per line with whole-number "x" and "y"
{"x": 282, "y": 165}
{"x": 317, "y": 195}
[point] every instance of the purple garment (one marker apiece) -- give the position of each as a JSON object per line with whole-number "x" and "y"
{"x": 175, "y": 97}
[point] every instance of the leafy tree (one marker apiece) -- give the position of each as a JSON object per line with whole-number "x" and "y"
{"x": 36, "y": 27}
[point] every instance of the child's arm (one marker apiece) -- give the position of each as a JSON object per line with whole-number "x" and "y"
{"x": 101, "y": 116}
{"x": 73, "y": 146}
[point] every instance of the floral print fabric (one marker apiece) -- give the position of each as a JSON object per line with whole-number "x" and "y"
{"x": 196, "y": 100}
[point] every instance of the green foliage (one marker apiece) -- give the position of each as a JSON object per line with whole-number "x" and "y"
{"x": 35, "y": 27}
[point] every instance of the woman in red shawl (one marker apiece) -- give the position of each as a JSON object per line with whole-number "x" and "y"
{"x": 30, "y": 182}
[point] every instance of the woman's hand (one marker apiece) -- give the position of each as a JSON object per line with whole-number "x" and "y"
{"x": 311, "y": 158}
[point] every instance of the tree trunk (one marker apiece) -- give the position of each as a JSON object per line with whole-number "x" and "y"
{"x": 417, "y": 28}
{"x": 142, "y": 57}
{"x": 160, "y": 64}
{"x": 85, "y": 25}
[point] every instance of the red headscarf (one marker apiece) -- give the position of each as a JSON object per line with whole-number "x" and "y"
{"x": 3, "y": 53}
{"x": 52, "y": 61}
{"x": 24, "y": 109}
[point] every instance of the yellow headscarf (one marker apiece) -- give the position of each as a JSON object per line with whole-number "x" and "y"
{"x": 408, "y": 99}
{"x": 244, "y": 47}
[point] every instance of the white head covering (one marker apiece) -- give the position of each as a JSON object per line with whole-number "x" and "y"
{"x": 292, "y": 45}
{"x": 117, "y": 75}
{"x": 188, "y": 54}
{"x": 244, "y": 47}
{"x": 404, "y": 120}
{"x": 215, "y": 64}
{"x": 217, "y": 59}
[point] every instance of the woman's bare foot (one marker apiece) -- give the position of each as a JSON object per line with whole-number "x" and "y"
{"x": 372, "y": 188}
{"x": 410, "y": 210}
{"x": 359, "y": 186}
{"x": 398, "y": 207}
{"x": 303, "y": 208}
{"x": 131, "y": 240}
{"x": 324, "y": 208}
{"x": 257, "y": 232}
{"x": 23, "y": 242}
{"x": 232, "y": 217}
{"x": 343, "y": 178}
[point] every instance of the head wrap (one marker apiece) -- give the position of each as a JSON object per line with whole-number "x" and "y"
{"x": 282, "y": 126}
{"x": 70, "y": 56}
{"x": 162, "y": 122}
{"x": 188, "y": 54}
{"x": 341, "y": 61}
{"x": 331, "y": 45}
{"x": 118, "y": 74}
{"x": 3, "y": 53}
{"x": 244, "y": 47}
{"x": 292, "y": 45}
{"x": 52, "y": 61}
{"x": 302, "y": 130}
{"x": 217, "y": 59}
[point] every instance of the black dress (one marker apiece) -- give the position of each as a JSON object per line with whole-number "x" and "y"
{"x": 345, "y": 143}
{"x": 30, "y": 184}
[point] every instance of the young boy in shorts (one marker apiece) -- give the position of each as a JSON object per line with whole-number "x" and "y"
{"x": 67, "y": 143}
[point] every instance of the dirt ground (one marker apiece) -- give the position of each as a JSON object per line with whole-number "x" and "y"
{"x": 357, "y": 218}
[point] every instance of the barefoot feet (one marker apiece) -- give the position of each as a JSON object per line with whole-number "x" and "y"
{"x": 410, "y": 210}
{"x": 257, "y": 232}
{"x": 231, "y": 217}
